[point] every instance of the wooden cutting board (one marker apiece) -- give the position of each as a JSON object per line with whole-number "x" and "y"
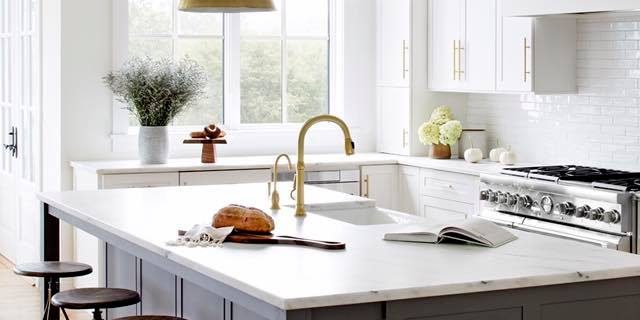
{"x": 238, "y": 237}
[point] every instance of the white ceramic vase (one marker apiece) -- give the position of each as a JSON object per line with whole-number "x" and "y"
{"x": 153, "y": 145}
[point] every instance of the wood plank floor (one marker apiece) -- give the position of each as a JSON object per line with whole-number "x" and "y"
{"x": 20, "y": 300}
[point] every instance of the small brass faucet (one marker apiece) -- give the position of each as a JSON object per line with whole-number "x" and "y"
{"x": 275, "y": 196}
{"x": 349, "y": 147}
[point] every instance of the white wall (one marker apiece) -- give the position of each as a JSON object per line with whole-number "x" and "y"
{"x": 84, "y": 105}
{"x": 598, "y": 126}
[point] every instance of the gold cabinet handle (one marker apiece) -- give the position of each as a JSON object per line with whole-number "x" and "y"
{"x": 404, "y": 138}
{"x": 455, "y": 50}
{"x": 405, "y": 70}
{"x": 526, "y": 48}
{"x": 460, "y": 49}
{"x": 366, "y": 186}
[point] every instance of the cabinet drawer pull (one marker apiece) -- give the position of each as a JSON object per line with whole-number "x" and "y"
{"x": 526, "y": 48}
{"x": 366, "y": 186}
{"x": 404, "y": 138}
{"x": 460, "y": 49}
{"x": 455, "y": 70}
{"x": 404, "y": 59}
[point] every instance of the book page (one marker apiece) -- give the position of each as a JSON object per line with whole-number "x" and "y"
{"x": 415, "y": 233}
{"x": 479, "y": 229}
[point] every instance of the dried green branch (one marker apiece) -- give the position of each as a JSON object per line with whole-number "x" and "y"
{"x": 156, "y": 91}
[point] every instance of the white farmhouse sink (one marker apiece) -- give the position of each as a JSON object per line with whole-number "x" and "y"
{"x": 369, "y": 216}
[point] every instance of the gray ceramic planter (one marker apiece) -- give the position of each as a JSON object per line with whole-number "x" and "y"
{"x": 153, "y": 145}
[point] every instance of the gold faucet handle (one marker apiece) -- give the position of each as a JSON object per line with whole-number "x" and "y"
{"x": 293, "y": 191}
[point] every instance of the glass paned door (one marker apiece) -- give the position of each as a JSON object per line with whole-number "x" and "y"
{"x": 20, "y": 128}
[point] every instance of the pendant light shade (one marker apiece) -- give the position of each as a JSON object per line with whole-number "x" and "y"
{"x": 229, "y": 6}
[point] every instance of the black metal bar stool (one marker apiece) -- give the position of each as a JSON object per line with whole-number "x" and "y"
{"x": 52, "y": 271}
{"x": 150, "y": 318}
{"x": 94, "y": 298}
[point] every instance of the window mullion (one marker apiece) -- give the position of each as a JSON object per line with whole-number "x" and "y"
{"x": 284, "y": 63}
{"x": 231, "y": 54}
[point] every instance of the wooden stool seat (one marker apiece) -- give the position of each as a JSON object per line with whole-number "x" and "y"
{"x": 150, "y": 318}
{"x": 52, "y": 269}
{"x": 95, "y": 298}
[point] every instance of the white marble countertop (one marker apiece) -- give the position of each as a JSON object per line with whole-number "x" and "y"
{"x": 313, "y": 163}
{"x": 369, "y": 270}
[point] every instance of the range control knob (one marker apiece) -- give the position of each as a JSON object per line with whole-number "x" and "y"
{"x": 502, "y": 197}
{"x": 511, "y": 199}
{"x": 582, "y": 211}
{"x": 493, "y": 196}
{"x": 546, "y": 204}
{"x": 611, "y": 216}
{"x": 525, "y": 201}
{"x": 565, "y": 208}
{"x": 596, "y": 214}
{"x": 484, "y": 195}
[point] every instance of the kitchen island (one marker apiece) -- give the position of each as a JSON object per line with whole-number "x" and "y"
{"x": 534, "y": 277}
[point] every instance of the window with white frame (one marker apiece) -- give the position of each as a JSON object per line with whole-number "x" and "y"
{"x": 263, "y": 69}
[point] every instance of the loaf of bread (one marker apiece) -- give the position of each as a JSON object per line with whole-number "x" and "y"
{"x": 243, "y": 219}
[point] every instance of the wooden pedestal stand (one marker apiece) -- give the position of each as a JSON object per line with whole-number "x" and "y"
{"x": 208, "y": 148}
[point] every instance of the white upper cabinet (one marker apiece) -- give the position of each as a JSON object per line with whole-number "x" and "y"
{"x": 477, "y": 63}
{"x": 395, "y": 112}
{"x": 445, "y": 31}
{"x": 514, "y": 54}
{"x": 394, "y": 43}
{"x": 474, "y": 48}
{"x": 536, "y": 55}
{"x": 462, "y": 45}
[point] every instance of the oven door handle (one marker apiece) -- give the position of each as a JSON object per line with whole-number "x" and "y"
{"x": 621, "y": 244}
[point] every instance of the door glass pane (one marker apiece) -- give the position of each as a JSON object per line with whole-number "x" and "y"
{"x": 5, "y": 70}
{"x": 200, "y": 23}
{"x": 307, "y": 79}
{"x": 150, "y": 16}
{"x": 208, "y": 53}
{"x": 307, "y": 18}
{"x": 261, "y": 23}
{"x": 260, "y": 81}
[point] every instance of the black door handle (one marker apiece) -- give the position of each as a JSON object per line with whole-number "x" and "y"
{"x": 13, "y": 147}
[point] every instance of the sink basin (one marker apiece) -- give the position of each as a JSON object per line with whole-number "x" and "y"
{"x": 369, "y": 216}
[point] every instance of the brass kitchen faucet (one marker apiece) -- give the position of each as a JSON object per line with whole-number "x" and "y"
{"x": 349, "y": 147}
{"x": 275, "y": 196}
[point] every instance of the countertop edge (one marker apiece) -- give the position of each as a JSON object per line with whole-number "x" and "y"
{"x": 449, "y": 165}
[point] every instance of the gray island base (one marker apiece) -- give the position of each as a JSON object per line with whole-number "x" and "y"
{"x": 520, "y": 280}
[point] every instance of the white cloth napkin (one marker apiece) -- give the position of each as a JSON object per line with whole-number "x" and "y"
{"x": 202, "y": 236}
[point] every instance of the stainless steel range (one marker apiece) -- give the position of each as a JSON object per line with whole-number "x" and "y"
{"x": 592, "y": 205}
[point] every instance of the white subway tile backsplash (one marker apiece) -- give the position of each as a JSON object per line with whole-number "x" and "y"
{"x": 600, "y": 125}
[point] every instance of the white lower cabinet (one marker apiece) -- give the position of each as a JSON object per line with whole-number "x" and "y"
{"x": 139, "y": 180}
{"x": 408, "y": 198}
{"x": 446, "y": 195}
{"x": 224, "y": 177}
{"x": 441, "y": 209}
{"x": 429, "y": 193}
{"x": 379, "y": 183}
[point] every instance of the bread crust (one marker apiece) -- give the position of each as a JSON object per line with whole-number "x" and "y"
{"x": 243, "y": 219}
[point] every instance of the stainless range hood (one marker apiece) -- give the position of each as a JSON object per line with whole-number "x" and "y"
{"x": 533, "y": 8}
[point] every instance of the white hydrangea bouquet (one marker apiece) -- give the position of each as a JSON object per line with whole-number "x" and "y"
{"x": 441, "y": 131}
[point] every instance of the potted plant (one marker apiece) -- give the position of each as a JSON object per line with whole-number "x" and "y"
{"x": 155, "y": 92}
{"x": 440, "y": 132}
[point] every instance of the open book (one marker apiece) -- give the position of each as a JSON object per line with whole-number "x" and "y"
{"x": 474, "y": 231}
